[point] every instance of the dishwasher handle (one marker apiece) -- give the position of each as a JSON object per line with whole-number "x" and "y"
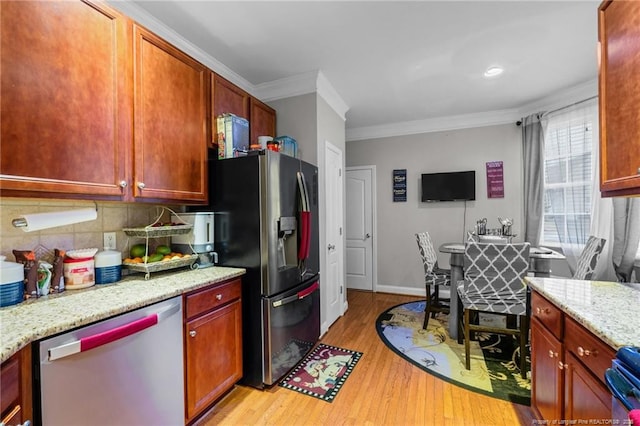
{"x": 91, "y": 342}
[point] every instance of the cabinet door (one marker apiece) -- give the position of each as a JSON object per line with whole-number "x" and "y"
{"x": 170, "y": 122}
{"x": 262, "y": 121}
{"x": 213, "y": 356}
{"x": 586, "y": 398}
{"x": 15, "y": 388}
{"x": 546, "y": 377}
{"x": 65, "y": 96}
{"x": 619, "y": 97}
{"x": 227, "y": 98}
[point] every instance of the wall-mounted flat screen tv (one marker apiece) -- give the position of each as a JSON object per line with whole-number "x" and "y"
{"x": 449, "y": 186}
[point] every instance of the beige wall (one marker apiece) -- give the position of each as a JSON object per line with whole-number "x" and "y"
{"x": 399, "y": 266}
{"x": 297, "y": 117}
{"x": 112, "y": 217}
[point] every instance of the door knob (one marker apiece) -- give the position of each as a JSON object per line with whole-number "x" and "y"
{"x": 331, "y": 247}
{"x": 367, "y": 236}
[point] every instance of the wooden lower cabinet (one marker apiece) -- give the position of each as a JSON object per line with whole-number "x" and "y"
{"x": 547, "y": 386}
{"x": 16, "y": 389}
{"x": 213, "y": 344}
{"x": 586, "y": 398}
{"x": 567, "y": 366}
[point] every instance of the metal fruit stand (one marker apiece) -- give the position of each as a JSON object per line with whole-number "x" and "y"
{"x": 159, "y": 231}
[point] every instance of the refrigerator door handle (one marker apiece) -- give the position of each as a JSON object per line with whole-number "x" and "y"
{"x": 307, "y": 291}
{"x": 90, "y": 342}
{"x": 298, "y": 296}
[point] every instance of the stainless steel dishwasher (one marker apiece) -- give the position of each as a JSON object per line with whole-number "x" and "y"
{"x": 127, "y": 370}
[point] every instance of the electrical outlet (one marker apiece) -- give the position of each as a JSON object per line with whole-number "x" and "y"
{"x": 109, "y": 240}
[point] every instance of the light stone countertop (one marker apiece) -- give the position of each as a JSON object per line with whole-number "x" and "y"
{"x": 609, "y": 310}
{"x": 35, "y": 319}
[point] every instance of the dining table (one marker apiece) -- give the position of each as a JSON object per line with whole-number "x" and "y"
{"x": 539, "y": 265}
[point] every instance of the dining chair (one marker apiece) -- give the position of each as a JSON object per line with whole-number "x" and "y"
{"x": 588, "y": 259}
{"x": 434, "y": 277}
{"x": 494, "y": 283}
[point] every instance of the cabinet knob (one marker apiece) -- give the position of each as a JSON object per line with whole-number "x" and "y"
{"x": 218, "y": 297}
{"x": 562, "y": 366}
{"x": 638, "y": 170}
{"x": 586, "y": 352}
{"x": 141, "y": 185}
{"x": 552, "y": 354}
{"x": 192, "y": 333}
{"x": 540, "y": 310}
{"x": 123, "y": 184}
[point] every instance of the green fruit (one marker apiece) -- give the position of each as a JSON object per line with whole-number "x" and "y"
{"x": 138, "y": 250}
{"x": 164, "y": 250}
{"x": 155, "y": 257}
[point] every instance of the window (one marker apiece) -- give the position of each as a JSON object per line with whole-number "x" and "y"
{"x": 567, "y": 178}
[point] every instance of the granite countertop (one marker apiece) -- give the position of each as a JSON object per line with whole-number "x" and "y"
{"x": 609, "y": 310}
{"x": 38, "y": 318}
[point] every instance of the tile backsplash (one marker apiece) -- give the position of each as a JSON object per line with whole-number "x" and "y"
{"x": 112, "y": 217}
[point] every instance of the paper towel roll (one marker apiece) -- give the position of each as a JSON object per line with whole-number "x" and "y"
{"x": 38, "y": 221}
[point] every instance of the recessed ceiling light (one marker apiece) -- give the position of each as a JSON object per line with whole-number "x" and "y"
{"x": 493, "y": 71}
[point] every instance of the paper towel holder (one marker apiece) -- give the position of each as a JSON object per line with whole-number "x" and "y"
{"x": 21, "y": 222}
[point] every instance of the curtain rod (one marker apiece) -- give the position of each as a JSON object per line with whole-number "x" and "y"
{"x": 519, "y": 122}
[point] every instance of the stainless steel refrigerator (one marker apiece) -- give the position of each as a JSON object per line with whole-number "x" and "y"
{"x": 266, "y": 220}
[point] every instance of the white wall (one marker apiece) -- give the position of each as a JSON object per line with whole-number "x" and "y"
{"x": 399, "y": 266}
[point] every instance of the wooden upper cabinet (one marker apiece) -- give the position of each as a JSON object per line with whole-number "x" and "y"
{"x": 262, "y": 121}
{"x": 64, "y": 92}
{"x": 170, "y": 122}
{"x": 619, "y": 97}
{"x": 226, "y": 98}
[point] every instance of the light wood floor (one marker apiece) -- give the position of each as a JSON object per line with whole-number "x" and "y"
{"x": 383, "y": 388}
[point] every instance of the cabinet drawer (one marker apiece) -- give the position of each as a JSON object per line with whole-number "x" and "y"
{"x": 590, "y": 350}
{"x": 211, "y": 297}
{"x": 9, "y": 383}
{"x": 547, "y": 313}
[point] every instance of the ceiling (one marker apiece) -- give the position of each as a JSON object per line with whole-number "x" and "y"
{"x": 396, "y": 62}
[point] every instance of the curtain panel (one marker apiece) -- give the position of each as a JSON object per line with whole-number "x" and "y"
{"x": 533, "y": 161}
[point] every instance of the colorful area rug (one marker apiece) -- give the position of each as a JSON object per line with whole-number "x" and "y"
{"x": 322, "y": 373}
{"x": 494, "y": 358}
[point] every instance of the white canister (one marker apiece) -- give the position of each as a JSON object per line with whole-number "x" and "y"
{"x": 263, "y": 140}
{"x": 108, "y": 264}
{"x": 78, "y": 273}
{"x": 11, "y": 282}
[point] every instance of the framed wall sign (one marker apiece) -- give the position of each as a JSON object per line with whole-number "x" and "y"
{"x": 495, "y": 180}
{"x": 400, "y": 185}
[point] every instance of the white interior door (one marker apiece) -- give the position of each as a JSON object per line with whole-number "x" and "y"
{"x": 359, "y": 228}
{"x": 333, "y": 281}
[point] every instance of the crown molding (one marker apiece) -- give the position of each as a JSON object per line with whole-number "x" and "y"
{"x": 316, "y": 82}
{"x": 301, "y": 84}
{"x": 329, "y": 94}
{"x": 437, "y": 124}
{"x": 491, "y": 118}
{"x": 296, "y": 85}
{"x": 150, "y": 22}
{"x": 562, "y": 98}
